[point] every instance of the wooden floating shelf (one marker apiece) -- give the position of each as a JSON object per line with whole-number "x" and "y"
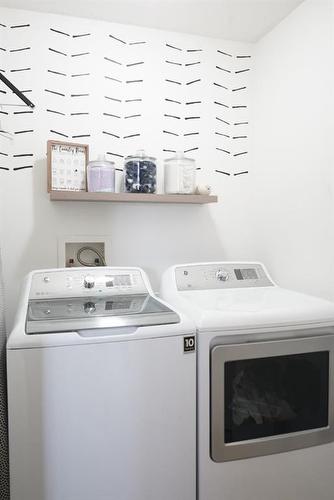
{"x": 132, "y": 197}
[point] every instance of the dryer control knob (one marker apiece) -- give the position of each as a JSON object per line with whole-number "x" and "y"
{"x": 89, "y": 307}
{"x": 89, "y": 281}
{"x": 222, "y": 275}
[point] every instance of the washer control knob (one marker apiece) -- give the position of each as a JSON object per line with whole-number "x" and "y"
{"x": 46, "y": 279}
{"x": 89, "y": 307}
{"x": 222, "y": 275}
{"x": 89, "y": 281}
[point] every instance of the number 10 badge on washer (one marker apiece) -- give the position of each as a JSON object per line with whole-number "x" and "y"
{"x": 189, "y": 343}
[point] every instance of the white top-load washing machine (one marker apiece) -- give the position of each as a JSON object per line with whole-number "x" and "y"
{"x": 101, "y": 390}
{"x": 265, "y": 383}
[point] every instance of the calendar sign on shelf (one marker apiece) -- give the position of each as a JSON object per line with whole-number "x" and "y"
{"x": 67, "y": 166}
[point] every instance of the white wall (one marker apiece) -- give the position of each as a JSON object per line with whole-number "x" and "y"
{"x": 280, "y": 213}
{"x": 151, "y": 236}
{"x": 292, "y": 183}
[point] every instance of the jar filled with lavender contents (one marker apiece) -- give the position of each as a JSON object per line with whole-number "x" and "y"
{"x": 101, "y": 176}
{"x": 140, "y": 173}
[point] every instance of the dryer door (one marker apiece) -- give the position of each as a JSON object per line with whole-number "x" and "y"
{"x": 271, "y": 397}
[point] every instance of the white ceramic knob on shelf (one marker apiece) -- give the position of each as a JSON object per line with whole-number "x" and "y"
{"x": 203, "y": 189}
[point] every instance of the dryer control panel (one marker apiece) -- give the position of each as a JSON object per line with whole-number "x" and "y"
{"x": 81, "y": 282}
{"x": 224, "y": 275}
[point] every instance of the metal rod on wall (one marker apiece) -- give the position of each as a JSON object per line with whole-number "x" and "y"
{"x": 16, "y": 91}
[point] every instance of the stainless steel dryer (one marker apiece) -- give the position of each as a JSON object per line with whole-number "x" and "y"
{"x": 265, "y": 383}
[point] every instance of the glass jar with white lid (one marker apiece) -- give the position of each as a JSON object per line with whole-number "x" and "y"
{"x": 101, "y": 175}
{"x": 140, "y": 173}
{"x": 180, "y": 174}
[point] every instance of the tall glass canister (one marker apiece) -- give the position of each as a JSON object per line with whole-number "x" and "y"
{"x": 140, "y": 173}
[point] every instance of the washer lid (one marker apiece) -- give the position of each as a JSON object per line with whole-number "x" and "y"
{"x": 92, "y": 312}
{"x": 252, "y": 308}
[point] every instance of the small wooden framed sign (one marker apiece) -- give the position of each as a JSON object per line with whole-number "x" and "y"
{"x": 67, "y": 166}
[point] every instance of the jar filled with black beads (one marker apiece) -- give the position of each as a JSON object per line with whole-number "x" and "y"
{"x": 140, "y": 173}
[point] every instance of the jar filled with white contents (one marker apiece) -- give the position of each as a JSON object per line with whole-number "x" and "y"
{"x": 101, "y": 176}
{"x": 180, "y": 174}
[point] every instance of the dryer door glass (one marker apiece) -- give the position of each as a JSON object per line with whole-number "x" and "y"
{"x": 275, "y": 395}
{"x": 271, "y": 396}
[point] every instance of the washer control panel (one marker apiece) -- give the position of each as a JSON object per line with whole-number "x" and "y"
{"x": 221, "y": 276}
{"x": 80, "y": 282}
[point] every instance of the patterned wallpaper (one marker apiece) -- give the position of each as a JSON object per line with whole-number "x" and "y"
{"x": 122, "y": 88}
